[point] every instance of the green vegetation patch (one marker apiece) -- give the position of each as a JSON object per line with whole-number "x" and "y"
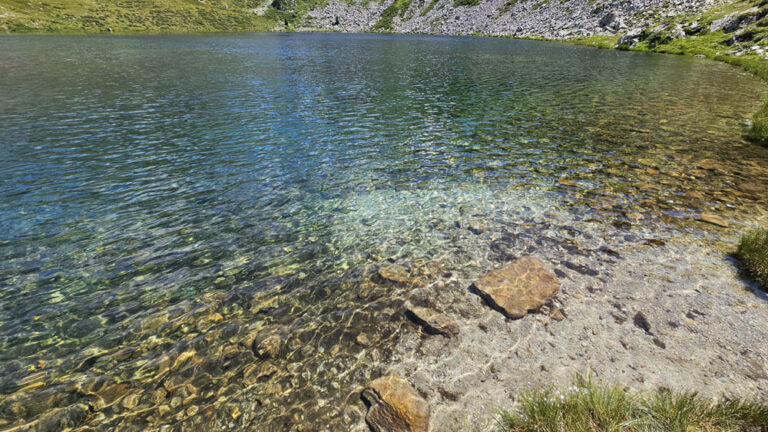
{"x": 759, "y": 129}
{"x": 457, "y": 3}
{"x": 601, "y": 42}
{"x": 127, "y": 16}
{"x": 153, "y": 16}
{"x": 396, "y": 8}
{"x": 429, "y": 7}
{"x": 507, "y": 6}
{"x": 753, "y": 251}
{"x": 586, "y": 407}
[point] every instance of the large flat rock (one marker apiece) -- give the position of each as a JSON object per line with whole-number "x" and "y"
{"x": 520, "y": 286}
{"x": 395, "y": 406}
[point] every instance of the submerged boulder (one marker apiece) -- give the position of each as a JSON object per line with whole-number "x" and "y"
{"x": 713, "y": 219}
{"x": 268, "y": 347}
{"x": 432, "y": 322}
{"x": 394, "y": 406}
{"x": 399, "y": 275}
{"x": 518, "y": 287}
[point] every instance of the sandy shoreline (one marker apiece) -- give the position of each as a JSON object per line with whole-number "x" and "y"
{"x": 708, "y": 327}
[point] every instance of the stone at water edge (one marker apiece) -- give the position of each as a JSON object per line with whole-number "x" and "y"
{"x": 713, "y": 219}
{"x": 394, "y": 406}
{"x": 432, "y": 322}
{"x": 518, "y": 287}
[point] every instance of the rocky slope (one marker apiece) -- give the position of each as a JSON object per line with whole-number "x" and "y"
{"x": 521, "y": 18}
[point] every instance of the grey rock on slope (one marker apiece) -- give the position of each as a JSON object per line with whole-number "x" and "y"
{"x": 521, "y": 18}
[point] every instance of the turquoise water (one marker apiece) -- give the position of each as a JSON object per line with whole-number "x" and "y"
{"x": 167, "y": 200}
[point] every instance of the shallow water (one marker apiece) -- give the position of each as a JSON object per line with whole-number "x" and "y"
{"x": 165, "y": 201}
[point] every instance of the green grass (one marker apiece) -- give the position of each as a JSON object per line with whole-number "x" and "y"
{"x": 429, "y": 7}
{"x": 128, "y": 16}
{"x": 601, "y": 42}
{"x": 753, "y": 251}
{"x": 586, "y": 407}
{"x": 457, "y": 3}
{"x": 147, "y": 16}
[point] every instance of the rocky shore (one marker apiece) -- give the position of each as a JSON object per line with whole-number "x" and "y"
{"x": 519, "y": 18}
{"x": 663, "y": 313}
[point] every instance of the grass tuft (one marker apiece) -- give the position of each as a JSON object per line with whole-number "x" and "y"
{"x": 759, "y": 129}
{"x": 586, "y": 407}
{"x": 753, "y": 251}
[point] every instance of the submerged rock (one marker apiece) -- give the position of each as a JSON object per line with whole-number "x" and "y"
{"x": 477, "y": 226}
{"x": 394, "y": 406}
{"x": 268, "y": 347}
{"x": 398, "y": 274}
{"x": 62, "y": 418}
{"x": 713, "y": 219}
{"x": 522, "y": 285}
{"x": 432, "y": 322}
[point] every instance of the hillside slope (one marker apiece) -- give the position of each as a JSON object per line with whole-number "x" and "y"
{"x": 97, "y": 16}
{"x": 521, "y": 18}
{"x": 543, "y": 18}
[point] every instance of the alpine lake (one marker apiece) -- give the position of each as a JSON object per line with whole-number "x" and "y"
{"x": 192, "y": 227}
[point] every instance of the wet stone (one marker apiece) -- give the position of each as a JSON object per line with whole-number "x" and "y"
{"x": 398, "y": 274}
{"x": 432, "y": 322}
{"x": 362, "y": 340}
{"x": 269, "y": 347}
{"x": 520, "y": 286}
{"x": 424, "y": 268}
{"x": 395, "y": 273}
{"x": 131, "y": 401}
{"x": 477, "y": 226}
{"x": 713, "y": 219}
{"x": 579, "y": 268}
{"x": 753, "y": 188}
{"x": 111, "y": 394}
{"x": 395, "y": 406}
{"x": 62, "y": 418}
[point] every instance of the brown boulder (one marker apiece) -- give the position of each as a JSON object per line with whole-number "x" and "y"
{"x": 713, "y": 219}
{"x": 753, "y": 187}
{"x": 432, "y": 322}
{"x": 518, "y": 287}
{"x": 394, "y": 406}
